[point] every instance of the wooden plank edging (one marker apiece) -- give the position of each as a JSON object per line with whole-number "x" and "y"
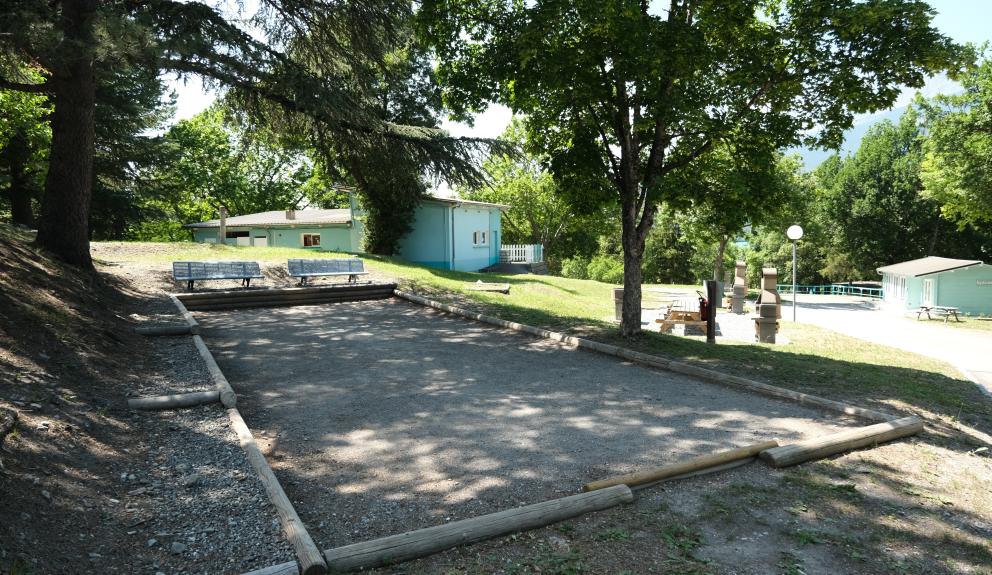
{"x": 659, "y": 362}
{"x": 174, "y": 401}
{"x": 826, "y": 445}
{"x": 423, "y": 542}
{"x": 322, "y": 289}
{"x": 309, "y": 558}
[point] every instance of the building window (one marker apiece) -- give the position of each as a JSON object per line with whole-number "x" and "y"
{"x": 479, "y": 238}
{"x": 231, "y": 235}
{"x": 311, "y": 240}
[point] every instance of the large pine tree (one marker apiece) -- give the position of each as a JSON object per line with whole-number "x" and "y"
{"x": 308, "y": 65}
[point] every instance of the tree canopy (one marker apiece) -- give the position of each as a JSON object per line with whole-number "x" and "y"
{"x": 618, "y": 95}
{"x": 957, "y": 165}
{"x": 538, "y": 213}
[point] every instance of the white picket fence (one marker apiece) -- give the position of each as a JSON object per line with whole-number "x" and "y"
{"x": 527, "y": 253}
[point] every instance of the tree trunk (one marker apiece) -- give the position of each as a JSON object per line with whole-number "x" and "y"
{"x": 16, "y": 155}
{"x": 64, "y": 226}
{"x": 932, "y": 246}
{"x": 718, "y": 262}
{"x": 633, "y": 254}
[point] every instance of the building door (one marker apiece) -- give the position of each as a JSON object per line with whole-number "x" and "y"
{"x": 261, "y": 241}
{"x": 928, "y": 292}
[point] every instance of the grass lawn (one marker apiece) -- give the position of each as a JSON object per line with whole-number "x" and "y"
{"x": 917, "y": 506}
{"x": 982, "y": 324}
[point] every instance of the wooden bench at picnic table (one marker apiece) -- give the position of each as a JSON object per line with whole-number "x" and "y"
{"x": 306, "y": 269}
{"x": 939, "y": 311}
{"x": 190, "y": 272}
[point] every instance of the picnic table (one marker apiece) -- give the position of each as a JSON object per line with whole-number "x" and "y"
{"x": 939, "y": 311}
{"x": 682, "y": 311}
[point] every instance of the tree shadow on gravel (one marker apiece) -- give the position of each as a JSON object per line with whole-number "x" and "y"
{"x": 381, "y": 417}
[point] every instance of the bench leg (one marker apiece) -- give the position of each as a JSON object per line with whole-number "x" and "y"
{"x": 189, "y": 285}
{"x": 352, "y": 279}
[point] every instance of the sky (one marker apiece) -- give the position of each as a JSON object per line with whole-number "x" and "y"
{"x": 962, "y": 20}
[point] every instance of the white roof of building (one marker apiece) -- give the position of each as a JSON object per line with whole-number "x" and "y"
{"x": 280, "y": 218}
{"x": 470, "y": 203}
{"x": 926, "y": 266}
{"x": 318, "y": 217}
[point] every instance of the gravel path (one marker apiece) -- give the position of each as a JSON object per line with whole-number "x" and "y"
{"x": 187, "y": 492}
{"x": 380, "y": 417}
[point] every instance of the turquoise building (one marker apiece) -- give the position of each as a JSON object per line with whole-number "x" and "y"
{"x": 934, "y": 281}
{"x": 447, "y": 234}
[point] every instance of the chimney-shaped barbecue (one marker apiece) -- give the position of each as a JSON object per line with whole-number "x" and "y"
{"x": 222, "y": 230}
{"x": 290, "y": 214}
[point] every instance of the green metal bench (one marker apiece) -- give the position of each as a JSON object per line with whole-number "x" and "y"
{"x": 306, "y": 269}
{"x": 191, "y": 272}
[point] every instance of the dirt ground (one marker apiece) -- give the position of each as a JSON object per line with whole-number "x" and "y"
{"x": 380, "y": 417}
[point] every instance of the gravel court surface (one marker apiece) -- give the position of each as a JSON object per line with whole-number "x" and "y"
{"x": 384, "y": 416}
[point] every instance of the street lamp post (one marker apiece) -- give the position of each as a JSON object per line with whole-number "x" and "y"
{"x": 794, "y": 233}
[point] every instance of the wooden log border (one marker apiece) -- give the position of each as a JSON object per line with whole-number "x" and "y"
{"x": 174, "y": 401}
{"x": 682, "y": 468}
{"x": 659, "y": 362}
{"x": 423, "y": 542}
{"x": 227, "y": 396}
{"x": 276, "y": 297}
{"x": 310, "y": 560}
{"x": 843, "y": 441}
{"x": 194, "y": 327}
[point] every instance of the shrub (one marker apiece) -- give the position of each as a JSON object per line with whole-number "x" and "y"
{"x": 575, "y": 268}
{"x": 606, "y": 269}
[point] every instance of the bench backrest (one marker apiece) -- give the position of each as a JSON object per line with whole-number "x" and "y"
{"x": 185, "y": 271}
{"x": 325, "y": 266}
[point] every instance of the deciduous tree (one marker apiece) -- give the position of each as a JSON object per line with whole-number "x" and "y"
{"x": 621, "y": 94}
{"x": 957, "y": 169}
{"x": 538, "y": 213}
{"x": 24, "y": 141}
